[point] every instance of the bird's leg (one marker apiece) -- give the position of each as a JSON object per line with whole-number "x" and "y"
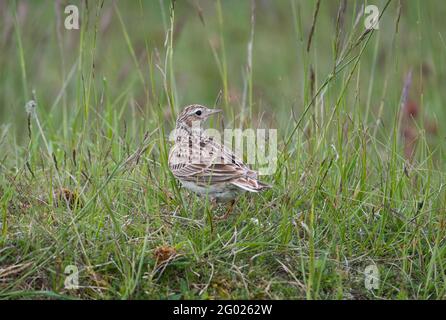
{"x": 212, "y": 205}
{"x": 228, "y": 211}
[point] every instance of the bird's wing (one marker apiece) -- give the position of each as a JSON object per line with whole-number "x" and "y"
{"x": 203, "y": 160}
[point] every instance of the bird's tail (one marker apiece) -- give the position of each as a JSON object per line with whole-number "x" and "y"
{"x": 250, "y": 184}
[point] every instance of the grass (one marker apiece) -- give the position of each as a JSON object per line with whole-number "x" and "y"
{"x": 84, "y": 179}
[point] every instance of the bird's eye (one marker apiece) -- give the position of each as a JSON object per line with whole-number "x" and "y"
{"x": 198, "y": 112}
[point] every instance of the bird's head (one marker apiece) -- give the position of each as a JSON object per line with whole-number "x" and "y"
{"x": 195, "y": 113}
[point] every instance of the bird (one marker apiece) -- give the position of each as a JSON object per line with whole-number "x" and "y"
{"x": 204, "y": 165}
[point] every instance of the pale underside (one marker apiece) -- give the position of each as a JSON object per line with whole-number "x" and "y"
{"x": 209, "y": 168}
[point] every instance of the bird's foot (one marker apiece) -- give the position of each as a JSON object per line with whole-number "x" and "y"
{"x": 227, "y": 213}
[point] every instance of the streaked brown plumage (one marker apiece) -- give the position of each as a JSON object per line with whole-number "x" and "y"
{"x": 205, "y": 166}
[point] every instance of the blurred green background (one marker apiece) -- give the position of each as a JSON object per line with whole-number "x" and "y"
{"x": 38, "y": 53}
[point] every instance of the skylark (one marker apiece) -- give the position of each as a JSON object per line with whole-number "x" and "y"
{"x": 205, "y": 166}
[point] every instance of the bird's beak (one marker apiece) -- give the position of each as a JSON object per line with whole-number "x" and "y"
{"x": 212, "y": 111}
